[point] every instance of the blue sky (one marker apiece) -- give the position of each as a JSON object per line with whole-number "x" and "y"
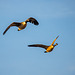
{"x": 55, "y": 17}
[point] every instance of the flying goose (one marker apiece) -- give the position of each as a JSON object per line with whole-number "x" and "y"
{"x": 48, "y": 48}
{"x": 22, "y": 25}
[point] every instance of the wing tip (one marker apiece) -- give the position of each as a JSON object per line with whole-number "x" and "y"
{"x": 3, "y": 33}
{"x": 36, "y": 23}
{"x": 29, "y": 45}
{"x": 57, "y": 36}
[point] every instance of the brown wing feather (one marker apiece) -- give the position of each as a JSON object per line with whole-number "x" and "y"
{"x": 13, "y": 24}
{"x": 32, "y": 20}
{"x": 38, "y": 45}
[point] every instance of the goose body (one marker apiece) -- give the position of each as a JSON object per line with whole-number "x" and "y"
{"x": 47, "y": 48}
{"x": 22, "y": 25}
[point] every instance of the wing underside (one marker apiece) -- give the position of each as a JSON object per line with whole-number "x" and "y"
{"x": 54, "y": 40}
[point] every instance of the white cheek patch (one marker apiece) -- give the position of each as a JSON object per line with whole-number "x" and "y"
{"x": 24, "y": 22}
{"x": 52, "y": 46}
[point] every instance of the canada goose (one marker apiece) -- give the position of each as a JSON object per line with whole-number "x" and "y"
{"x": 48, "y": 48}
{"x": 22, "y": 25}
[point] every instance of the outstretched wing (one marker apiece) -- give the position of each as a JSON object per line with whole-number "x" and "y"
{"x": 54, "y": 40}
{"x": 13, "y": 24}
{"x": 32, "y": 20}
{"x": 38, "y": 45}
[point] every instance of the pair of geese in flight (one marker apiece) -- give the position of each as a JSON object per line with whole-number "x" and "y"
{"x": 22, "y": 25}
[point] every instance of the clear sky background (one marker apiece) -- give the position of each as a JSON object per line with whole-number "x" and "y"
{"x": 55, "y": 17}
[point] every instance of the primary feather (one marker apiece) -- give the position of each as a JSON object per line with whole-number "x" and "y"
{"x": 39, "y": 45}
